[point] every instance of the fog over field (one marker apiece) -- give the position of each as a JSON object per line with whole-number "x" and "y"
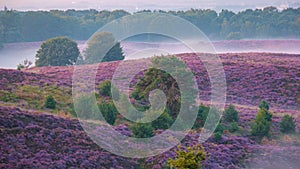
{"x": 14, "y": 53}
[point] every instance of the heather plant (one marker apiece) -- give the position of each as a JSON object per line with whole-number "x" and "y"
{"x": 288, "y": 124}
{"x": 142, "y": 130}
{"x": 262, "y": 124}
{"x": 188, "y": 157}
{"x": 50, "y": 102}
{"x": 231, "y": 114}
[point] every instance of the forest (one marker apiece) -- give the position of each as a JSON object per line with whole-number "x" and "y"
{"x": 266, "y": 23}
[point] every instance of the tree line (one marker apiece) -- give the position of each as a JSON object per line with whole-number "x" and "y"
{"x": 269, "y": 22}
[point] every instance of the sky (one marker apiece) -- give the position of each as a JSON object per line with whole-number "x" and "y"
{"x": 136, "y": 5}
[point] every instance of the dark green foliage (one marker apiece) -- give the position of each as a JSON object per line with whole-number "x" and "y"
{"x": 264, "y": 104}
{"x": 220, "y": 128}
{"x": 86, "y": 107}
{"x": 201, "y": 117}
{"x": 188, "y": 157}
{"x": 234, "y": 126}
{"x": 103, "y": 48}
{"x": 58, "y": 51}
{"x": 162, "y": 122}
{"x": 142, "y": 130}
{"x": 109, "y": 112}
{"x": 218, "y": 136}
{"x": 231, "y": 115}
{"x": 50, "y": 102}
{"x": 288, "y": 124}
{"x": 104, "y": 88}
{"x": 262, "y": 124}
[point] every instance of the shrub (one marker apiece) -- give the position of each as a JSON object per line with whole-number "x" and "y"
{"x": 234, "y": 126}
{"x": 109, "y": 112}
{"x": 142, "y": 130}
{"x": 50, "y": 102}
{"x": 219, "y": 128}
{"x": 262, "y": 124}
{"x": 218, "y": 136}
{"x": 164, "y": 121}
{"x": 201, "y": 117}
{"x": 231, "y": 115}
{"x": 264, "y": 104}
{"x": 287, "y": 124}
{"x": 188, "y": 157}
{"x": 86, "y": 107}
{"x": 106, "y": 89}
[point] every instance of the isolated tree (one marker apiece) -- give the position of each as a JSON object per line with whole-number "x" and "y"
{"x": 288, "y": 124}
{"x": 58, "y": 51}
{"x": 103, "y": 47}
{"x": 50, "y": 102}
{"x": 262, "y": 124}
{"x": 231, "y": 115}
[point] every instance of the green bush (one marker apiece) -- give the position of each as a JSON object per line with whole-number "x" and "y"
{"x": 218, "y": 136}
{"x": 142, "y": 130}
{"x": 86, "y": 107}
{"x": 109, "y": 112}
{"x": 262, "y": 124}
{"x": 104, "y": 88}
{"x": 219, "y": 128}
{"x": 162, "y": 122}
{"x": 231, "y": 115}
{"x": 201, "y": 117}
{"x": 50, "y": 102}
{"x": 234, "y": 126}
{"x": 288, "y": 124}
{"x": 264, "y": 104}
{"x": 188, "y": 157}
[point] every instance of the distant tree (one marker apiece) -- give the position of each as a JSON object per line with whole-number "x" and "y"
{"x": 50, "y": 102}
{"x": 26, "y": 64}
{"x": 264, "y": 104}
{"x": 288, "y": 124}
{"x": 103, "y": 44}
{"x": 231, "y": 115}
{"x": 58, "y": 51}
{"x": 262, "y": 124}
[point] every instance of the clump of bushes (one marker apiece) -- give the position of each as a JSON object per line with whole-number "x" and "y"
{"x": 234, "y": 126}
{"x": 50, "y": 102}
{"x": 188, "y": 157}
{"x": 106, "y": 89}
{"x": 288, "y": 124}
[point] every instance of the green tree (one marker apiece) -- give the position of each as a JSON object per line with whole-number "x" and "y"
{"x": 142, "y": 130}
{"x": 103, "y": 48}
{"x": 262, "y": 124}
{"x": 58, "y": 51}
{"x": 201, "y": 117}
{"x": 50, "y": 102}
{"x": 231, "y": 114}
{"x": 109, "y": 112}
{"x": 288, "y": 124}
{"x": 264, "y": 104}
{"x": 164, "y": 121}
